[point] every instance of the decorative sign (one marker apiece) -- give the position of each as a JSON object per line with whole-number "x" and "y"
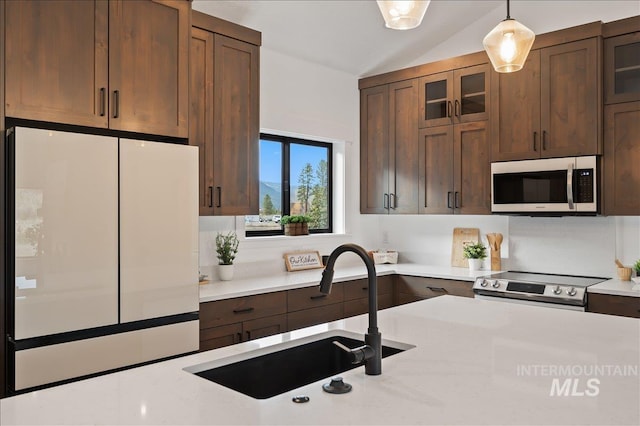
{"x": 301, "y": 260}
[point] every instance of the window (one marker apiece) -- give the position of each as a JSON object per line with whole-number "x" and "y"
{"x": 295, "y": 178}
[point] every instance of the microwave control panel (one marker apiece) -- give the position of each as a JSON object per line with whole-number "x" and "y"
{"x": 583, "y": 186}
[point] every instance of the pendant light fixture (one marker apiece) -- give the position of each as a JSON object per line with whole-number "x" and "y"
{"x": 508, "y": 45}
{"x": 403, "y": 14}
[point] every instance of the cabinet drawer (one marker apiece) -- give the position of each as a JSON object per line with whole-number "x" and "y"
{"x": 263, "y": 327}
{"x": 361, "y": 306}
{"x": 310, "y": 297}
{"x": 613, "y": 305}
{"x": 426, "y": 288}
{"x": 359, "y": 288}
{"x": 217, "y": 337}
{"x": 313, "y": 316}
{"x": 229, "y": 311}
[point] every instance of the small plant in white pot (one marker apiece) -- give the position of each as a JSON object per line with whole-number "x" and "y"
{"x": 636, "y": 267}
{"x": 476, "y": 253}
{"x": 227, "y": 248}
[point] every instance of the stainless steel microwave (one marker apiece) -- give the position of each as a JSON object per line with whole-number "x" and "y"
{"x": 554, "y": 186}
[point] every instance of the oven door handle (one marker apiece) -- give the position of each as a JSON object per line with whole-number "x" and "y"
{"x": 570, "y": 186}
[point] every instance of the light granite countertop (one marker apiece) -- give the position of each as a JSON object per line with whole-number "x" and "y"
{"x": 290, "y": 280}
{"x": 474, "y": 362}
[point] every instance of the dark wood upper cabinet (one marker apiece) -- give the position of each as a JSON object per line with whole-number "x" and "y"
{"x": 235, "y": 126}
{"x": 389, "y": 166}
{"x": 457, "y": 96}
{"x": 148, "y": 66}
{"x": 622, "y": 159}
{"x": 117, "y": 64}
{"x": 455, "y": 169}
{"x": 56, "y": 64}
{"x": 566, "y": 120}
{"x": 224, "y": 117}
{"x": 374, "y": 136}
{"x": 622, "y": 68}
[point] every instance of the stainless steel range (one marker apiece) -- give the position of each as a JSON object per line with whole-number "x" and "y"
{"x": 556, "y": 291}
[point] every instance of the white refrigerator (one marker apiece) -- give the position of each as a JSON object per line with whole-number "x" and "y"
{"x": 105, "y": 256}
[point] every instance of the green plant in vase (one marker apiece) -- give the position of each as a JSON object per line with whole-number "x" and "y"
{"x": 227, "y": 249}
{"x": 296, "y": 224}
{"x": 475, "y": 253}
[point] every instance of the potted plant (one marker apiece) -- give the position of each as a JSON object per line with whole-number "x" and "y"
{"x": 636, "y": 267}
{"x": 296, "y": 224}
{"x": 476, "y": 253}
{"x": 227, "y": 248}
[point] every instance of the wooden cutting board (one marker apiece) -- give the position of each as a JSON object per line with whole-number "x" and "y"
{"x": 462, "y": 237}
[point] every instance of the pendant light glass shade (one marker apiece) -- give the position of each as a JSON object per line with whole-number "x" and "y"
{"x": 403, "y": 14}
{"x": 508, "y": 45}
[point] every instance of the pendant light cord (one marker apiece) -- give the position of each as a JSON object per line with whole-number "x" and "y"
{"x": 508, "y": 14}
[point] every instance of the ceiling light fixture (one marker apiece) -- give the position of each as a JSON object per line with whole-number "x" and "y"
{"x": 403, "y": 14}
{"x": 508, "y": 45}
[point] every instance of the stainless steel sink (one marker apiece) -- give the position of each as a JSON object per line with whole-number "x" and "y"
{"x": 284, "y": 367}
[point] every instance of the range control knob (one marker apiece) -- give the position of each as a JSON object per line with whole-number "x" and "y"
{"x": 557, "y": 290}
{"x": 495, "y": 284}
{"x": 484, "y": 283}
{"x": 572, "y": 291}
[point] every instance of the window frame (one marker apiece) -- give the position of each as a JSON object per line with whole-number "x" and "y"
{"x": 285, "y": 181}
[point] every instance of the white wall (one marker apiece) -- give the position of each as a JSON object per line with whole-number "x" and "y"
{"x": 301, "y": 98}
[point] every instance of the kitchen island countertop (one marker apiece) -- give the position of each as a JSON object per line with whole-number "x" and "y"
{"x": 616, "y": 287}
{"x": 474, "y": 362}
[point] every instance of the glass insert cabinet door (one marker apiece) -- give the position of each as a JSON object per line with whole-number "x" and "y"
{"x": 458, "y": 96}
{"x": 622, "y": 68}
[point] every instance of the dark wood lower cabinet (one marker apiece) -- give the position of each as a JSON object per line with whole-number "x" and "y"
{"x": 625, "y": 306}
{"x": 411, "y": 289}
{"x": 314, "y": 316}
{"x": 356, "y": 295}
{"x": 230, "y": 321}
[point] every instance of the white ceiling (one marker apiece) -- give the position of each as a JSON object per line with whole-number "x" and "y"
{"x": 350, "y": 36}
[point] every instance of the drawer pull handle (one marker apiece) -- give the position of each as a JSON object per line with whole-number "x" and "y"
{"x": 365, "y": 288}
{"x": 242, "y": 311}
{"x": 439, "y": 289}
{"x": 318, "y": 296}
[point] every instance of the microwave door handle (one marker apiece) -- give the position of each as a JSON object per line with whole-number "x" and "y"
{"x": 570, "y": 186}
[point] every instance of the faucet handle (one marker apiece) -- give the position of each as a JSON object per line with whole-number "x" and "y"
{"x": 359, "y": 354}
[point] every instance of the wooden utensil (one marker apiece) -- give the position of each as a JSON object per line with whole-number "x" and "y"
{"x": 619, "y": 264}
{"x": 495, "y": 241}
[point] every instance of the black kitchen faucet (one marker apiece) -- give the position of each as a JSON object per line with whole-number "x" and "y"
{"x": 371, "y": 352}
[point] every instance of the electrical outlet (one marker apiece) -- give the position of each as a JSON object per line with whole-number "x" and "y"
{"x": 385, "y": 237}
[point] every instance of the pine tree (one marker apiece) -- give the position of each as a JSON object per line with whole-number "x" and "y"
{"x": 319, "y": 204}
{"x": 305, "y": 182}
{"x": 267, "y": 206}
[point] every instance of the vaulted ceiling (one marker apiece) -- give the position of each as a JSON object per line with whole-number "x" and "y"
{"x": 350, "y": 36}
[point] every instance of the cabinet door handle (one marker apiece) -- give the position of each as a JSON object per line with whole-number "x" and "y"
{"x": 449, "y": 109}
{"x": 449, "y": 199}
{"x": 242, "y": 311}
{"x": 438, "y": 289}
{"x": 248, "y": 334}
{"x": 116, "y": 103}
{"x": 544, "y": 140}
{"x": 457, "y": 111}
{"x": 211, "y": 196}
{"x": 535, "y": 141}
{"x": 238, "y": 338}
{"x": 318, "y": 296}
{"x": 219, "y": 191}
{"x": 103, "y": 101}
{"x": 456, "y": 202}
{"x": 365, "y": 288}
{"x": 385, "y": 202}
{"x": 392, "y": 201}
